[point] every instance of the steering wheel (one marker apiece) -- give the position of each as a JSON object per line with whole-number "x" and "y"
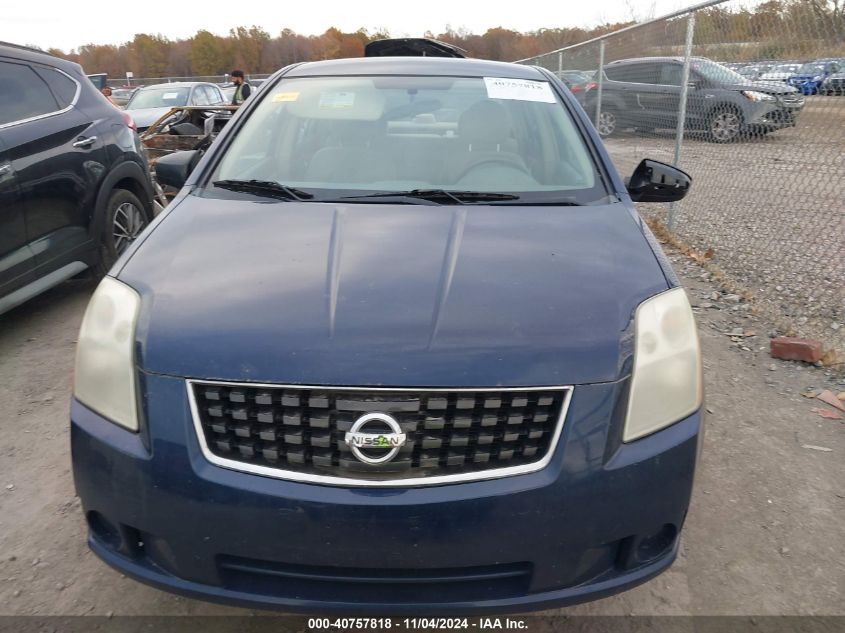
{"x": 495, "y": 161}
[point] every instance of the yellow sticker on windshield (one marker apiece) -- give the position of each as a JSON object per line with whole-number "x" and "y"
{"x": 284, "y": 97}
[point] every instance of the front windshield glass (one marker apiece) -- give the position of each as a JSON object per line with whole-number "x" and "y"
{"x": 329, "y": 135}
{"x": 159, "y": 98}
{"x": 716, "y": 73}
{"x": 811, "y": 69}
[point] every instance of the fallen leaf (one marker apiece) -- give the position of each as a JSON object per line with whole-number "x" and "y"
{"x": 708, "y": 254}
{"x": 824, "y": 449}
{"x": 841, "y": 395}
{"x": 828, "y": 397}
{"x": 826, "y": 413}
{"x": 811, "y": 393}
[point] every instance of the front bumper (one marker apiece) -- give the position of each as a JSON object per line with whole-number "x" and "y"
{"x": 602, "y": 517}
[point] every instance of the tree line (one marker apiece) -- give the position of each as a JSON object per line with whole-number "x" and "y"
{"x": 784, "y": 26}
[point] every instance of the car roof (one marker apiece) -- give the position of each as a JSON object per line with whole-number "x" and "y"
{"x": 179, "y": 84}
{"x": 28, "y": 54}
{"x": 637, "y": 60}
{"x": 441, "y": 66}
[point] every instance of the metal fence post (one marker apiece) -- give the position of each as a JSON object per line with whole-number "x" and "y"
{"x": 682, "y": 110}
{"x": 600, "y": 82}
{"x": 560, "y": 65}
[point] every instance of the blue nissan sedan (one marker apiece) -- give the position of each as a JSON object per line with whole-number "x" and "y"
{"x": 401, "y": 344}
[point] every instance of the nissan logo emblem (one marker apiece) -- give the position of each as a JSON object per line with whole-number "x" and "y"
{"x": 375, "y": 438}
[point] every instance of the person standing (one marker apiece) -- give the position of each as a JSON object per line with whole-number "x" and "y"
{"x": 241, "y": 87}
{"x": 107, "y": 94}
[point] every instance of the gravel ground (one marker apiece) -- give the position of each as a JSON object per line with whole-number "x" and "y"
{"x": 764, "y": 535}
{"x": 772, "y": 209}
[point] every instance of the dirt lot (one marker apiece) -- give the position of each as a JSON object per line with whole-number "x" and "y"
{"x": 772, "y": 209}
{"x": 764, "y": 534}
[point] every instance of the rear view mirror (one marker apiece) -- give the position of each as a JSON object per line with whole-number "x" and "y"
{"x": 173, "y": 170}
{"x": 653, "y": 181}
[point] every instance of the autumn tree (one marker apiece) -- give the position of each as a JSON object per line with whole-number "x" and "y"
{"x": 209, "y": 54}
{"x": 148, "y": 55}
{"x": 247, "y": 45}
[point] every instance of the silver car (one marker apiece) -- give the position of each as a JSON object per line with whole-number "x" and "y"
{"x": 150, "y": 103}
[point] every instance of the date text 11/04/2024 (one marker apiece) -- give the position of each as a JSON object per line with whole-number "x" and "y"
{"x": 482, "y": 624}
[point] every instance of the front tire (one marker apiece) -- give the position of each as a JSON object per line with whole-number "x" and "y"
{"x": 125, "y": 219}
{"x": 724, "y": 125}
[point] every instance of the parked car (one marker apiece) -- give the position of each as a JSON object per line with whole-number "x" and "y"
{"x": 149, "y": 103}
{"x": 781, "y": 72}
{"x": 121, "y": 96}
{"x": 578, "y": 82}
{"x": 753, "y": 72}
{"x": 228, "y": 91}
{"x": 574, "y": 77}
{"x": 834, "y": 83}
{"x": 400, "y": 344}
{"x": 809, "y": 78}
{"x": 74, "y": 186}
{"x": 645, "y": 93}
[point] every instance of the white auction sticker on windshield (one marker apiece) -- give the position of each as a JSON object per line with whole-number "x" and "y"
{"x": 170, "y": 95}
{"x": 519, "y": 89}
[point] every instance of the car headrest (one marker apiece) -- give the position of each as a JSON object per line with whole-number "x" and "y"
{"x": 484, "y": 122}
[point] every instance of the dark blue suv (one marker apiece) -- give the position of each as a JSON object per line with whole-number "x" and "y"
{"x": 400, "y": 344}
{"x": 74, "y": 185}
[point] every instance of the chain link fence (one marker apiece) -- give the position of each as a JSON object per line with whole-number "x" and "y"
{"x": 749, "y": 98}
{"x": 151, "y": 81}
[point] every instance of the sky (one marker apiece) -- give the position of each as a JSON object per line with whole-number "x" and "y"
{"x": 67, "y": 24}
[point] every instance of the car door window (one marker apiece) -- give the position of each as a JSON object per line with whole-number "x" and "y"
{"x": 200, "y": 96}
{"x": 670, "y": 74}
{"x": 634, "y": 73}
{"x": 25, "y": 94}
{"x": 216, "y": 96}
{"x": 63, "y": 87}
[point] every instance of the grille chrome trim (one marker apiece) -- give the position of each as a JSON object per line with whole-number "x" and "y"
{"x": 418, "y": 482}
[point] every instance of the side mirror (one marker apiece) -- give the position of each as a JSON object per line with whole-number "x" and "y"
{"x": 173, "y": 170}
{"x": 653, "y": 181}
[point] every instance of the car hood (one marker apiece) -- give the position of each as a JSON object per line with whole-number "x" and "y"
{"x": 145, "y": 117}
{"x": 385, "y": 294}
{"x": 769, "y": 87}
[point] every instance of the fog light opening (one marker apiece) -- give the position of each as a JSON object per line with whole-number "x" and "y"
{"x": 656, "y": 545}
{"x": 103, "y": 530}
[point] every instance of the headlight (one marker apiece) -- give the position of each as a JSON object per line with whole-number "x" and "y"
{"x": 666, "y": 382}
{"x": 104, "y": 378}
{"x": 753, "y": 95}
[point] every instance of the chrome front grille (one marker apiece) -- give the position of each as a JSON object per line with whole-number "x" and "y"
{"x": 301, "y": 432}
{"x": 793, "y": 100}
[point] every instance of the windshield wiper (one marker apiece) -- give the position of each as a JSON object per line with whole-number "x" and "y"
{"x": 266, "y": 188}
{"x": 440, "y": 195}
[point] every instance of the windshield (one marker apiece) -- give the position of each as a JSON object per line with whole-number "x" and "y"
{"x": 811, "y": 69}
{"x": 785, "y": 68}
{"x": 327, "y": 135}
{"x": 159, "y": 98}
{"x": 716, "y": 73}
